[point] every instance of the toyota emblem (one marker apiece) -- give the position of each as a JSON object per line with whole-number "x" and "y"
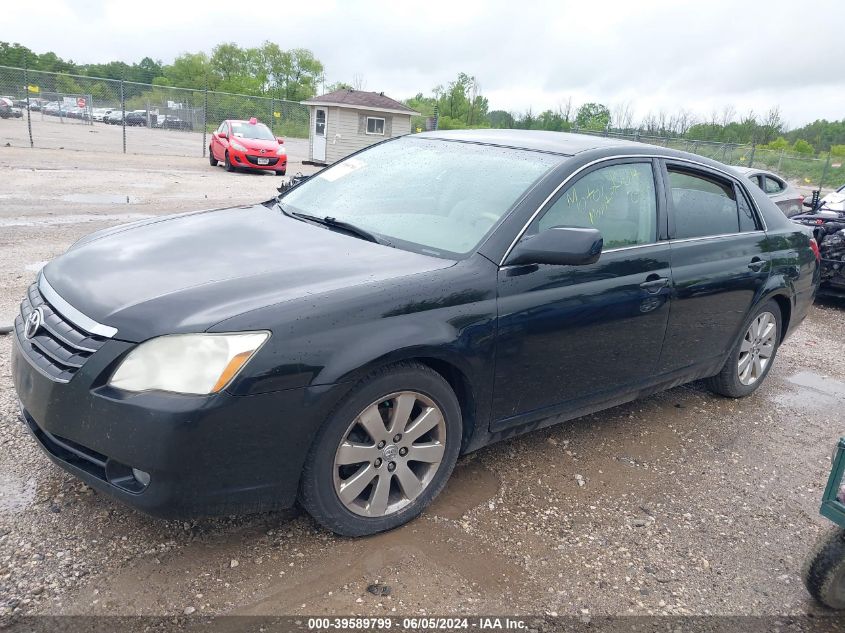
{"x": 33, "y": 323}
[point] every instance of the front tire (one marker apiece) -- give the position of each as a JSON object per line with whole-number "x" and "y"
{"x": 385, "y": 453}
{"x": 824, "y": 569}
{"x": 227, "y": 163}
{"x": 752, "y": 356}
{"x": 211, "y": 160}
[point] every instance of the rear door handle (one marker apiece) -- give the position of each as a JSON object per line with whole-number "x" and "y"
{"x": 756, "y": 264}
{"x": 654, "y": 284}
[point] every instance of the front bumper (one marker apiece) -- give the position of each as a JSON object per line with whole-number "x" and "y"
{"x": 249, "y": 160}
{"x": 205, "y": 455}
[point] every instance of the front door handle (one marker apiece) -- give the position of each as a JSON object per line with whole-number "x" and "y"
{"x": 654, "y": 284}
{"x": 756, "y": 264}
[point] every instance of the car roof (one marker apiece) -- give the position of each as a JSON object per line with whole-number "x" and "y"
{"x": 564, "y": 143}
{"x": 747, "y": 171}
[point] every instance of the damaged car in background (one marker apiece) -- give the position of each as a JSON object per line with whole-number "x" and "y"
{"x": 827, "y": 219}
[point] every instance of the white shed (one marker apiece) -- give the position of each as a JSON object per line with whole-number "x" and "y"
{"x": 347, "y": 120}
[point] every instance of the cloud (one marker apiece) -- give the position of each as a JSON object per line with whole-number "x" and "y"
{"x": 655, "y": 54}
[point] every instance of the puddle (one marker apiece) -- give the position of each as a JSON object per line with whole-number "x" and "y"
{"x": 822, "y": 384}
{"x": 16, "y": 495}
{"x": 56, "y": 220}
{"x": 100, "y": 198}
{"x": 814, "y": 392}
{"x": 468, "y": 487}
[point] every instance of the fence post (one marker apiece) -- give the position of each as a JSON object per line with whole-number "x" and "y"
{"x": 204, "y": 115}
{"x": 780, "y": 160}
{"x": 123, "y": 112}
{"x": 824, "y": 172}
{"x": 753, "y": 151}
{"x": 28, "y": 111}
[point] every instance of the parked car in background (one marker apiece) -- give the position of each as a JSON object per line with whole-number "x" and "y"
{"x": 115, "y": 117}
{"x": 100, "y": 114}
{"x": 53, "y": 108}
{"x": 248, "y": 145}
{"x": 168, "y": 122}
{"x": 345, "y": 342}
{"x": 784, "y": 195}
{"x": 9, "y": 111}
{"x": 834, "y": 201}
{"x": 137, "y": 118}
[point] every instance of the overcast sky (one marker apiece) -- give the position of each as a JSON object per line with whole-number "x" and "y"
{"x": 656, "y": 55}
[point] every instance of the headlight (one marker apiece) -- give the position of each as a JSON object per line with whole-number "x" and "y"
{"x": 237, "y": 146}
{"x": 187, "y": 363}
{"x": 281, "y": 151}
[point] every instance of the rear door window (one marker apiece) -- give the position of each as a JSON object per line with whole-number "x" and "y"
{"x": 747, "y": 219}
{"x": 702, "y": 205}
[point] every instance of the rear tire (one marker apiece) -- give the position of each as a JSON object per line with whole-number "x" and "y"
{"x": 227, "y": 163}
{"x": 398, "y": 432}
{"x": 824, "y": 569}
{"x": 752, "y": 356}
{"x": 211, "y": 160}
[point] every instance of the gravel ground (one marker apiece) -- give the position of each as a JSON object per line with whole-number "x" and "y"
{"x": 681, "y": 503}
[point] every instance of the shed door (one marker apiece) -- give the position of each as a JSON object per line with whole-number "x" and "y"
{"x": 319, "y": 135}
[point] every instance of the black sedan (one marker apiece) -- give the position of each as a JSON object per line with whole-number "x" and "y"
{"x": 343, "y": 344}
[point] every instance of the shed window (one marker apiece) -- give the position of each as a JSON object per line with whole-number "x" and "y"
{"x": 375, "y": 125}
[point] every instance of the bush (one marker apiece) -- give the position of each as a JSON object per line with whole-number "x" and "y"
{"x": 803, "y": 147}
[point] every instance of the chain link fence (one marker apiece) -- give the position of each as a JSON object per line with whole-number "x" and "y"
{"x": 64, "y": 111}
{"x": 811, "y": 171}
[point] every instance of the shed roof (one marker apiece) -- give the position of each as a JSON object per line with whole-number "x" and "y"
{"x": 349, "y": 98}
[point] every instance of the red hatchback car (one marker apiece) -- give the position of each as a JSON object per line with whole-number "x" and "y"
{"x": 247, "y": 144}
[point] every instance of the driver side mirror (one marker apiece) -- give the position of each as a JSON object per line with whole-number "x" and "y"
{"x": 558, "y": 246}
{"x": 280, "y": 140}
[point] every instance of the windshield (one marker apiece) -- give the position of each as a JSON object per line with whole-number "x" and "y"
{"x": 248, "y": 130}
{"x": 431, "y": 196}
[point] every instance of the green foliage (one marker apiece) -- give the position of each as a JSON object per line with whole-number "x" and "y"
{"x": 501, "y": 119}
{"x": 803, "y": 147}
{"x": 593, "y": 116}
{"x": 778, "y": 144}
{"x": 837, "y": 150}
{"x": 266, "y": 70}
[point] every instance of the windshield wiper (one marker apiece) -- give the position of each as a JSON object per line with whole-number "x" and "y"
{"x": 334, "y": 223}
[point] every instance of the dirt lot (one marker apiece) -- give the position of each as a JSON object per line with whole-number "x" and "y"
{"x": 101, "y": 140}
{"x": 683, "y": 503}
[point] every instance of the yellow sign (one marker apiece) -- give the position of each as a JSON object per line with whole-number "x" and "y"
{"x": 35, "y": 89}
{"x": 278, "y": 115}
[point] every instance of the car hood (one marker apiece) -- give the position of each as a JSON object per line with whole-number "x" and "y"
{"x": 257, "y": 144}
{"x": 834, "y": 200}
{"x": 185, "y": 273}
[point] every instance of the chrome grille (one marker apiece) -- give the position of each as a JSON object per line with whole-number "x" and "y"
{"x": 59, "y": 348}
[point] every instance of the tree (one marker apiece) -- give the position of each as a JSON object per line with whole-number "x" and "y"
{"x": 501, "y": 119}
{"x": 803, "y": 147}
{"x": 593, "y": 116}
{"x": 622, "y": 117}
{"x": 837, "y": 150}
{"x": 779, "y": 144}
{"x": 189, "y": 70}
{"x": 338, "y": 85}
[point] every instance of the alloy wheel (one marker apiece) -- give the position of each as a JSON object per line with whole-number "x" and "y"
{"x": 389, "y": 454}
{"x": 757, "y": 348}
